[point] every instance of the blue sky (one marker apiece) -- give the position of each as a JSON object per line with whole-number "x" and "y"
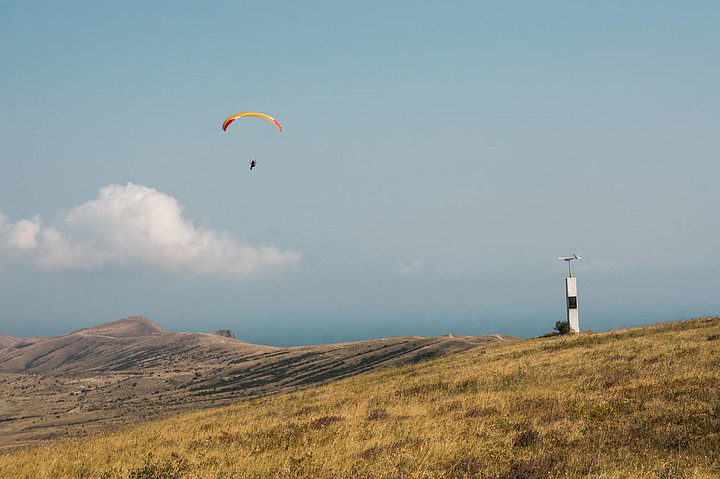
{"x": 435, "y": 160}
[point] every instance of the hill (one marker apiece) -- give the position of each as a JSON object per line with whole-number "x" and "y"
{"x": 641, "y": 403}
{"x": 133, "y": 370}
{"x": 132, "y": 327}
{"x": 131, "y": 345}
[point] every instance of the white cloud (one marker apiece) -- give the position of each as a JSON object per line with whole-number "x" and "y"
{"x": 412, "y": 268}
{"x": 23, "y": 234}
{"x": 134, "y": 225}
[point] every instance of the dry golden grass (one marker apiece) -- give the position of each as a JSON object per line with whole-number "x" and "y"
{"x": 633, "y": 403}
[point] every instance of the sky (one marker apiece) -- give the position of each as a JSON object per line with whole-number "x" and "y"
{"x": 435, "y": 161}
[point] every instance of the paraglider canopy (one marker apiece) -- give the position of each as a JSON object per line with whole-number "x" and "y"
{"x": 232, "y": 118}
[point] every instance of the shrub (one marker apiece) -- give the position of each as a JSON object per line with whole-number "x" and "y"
{"x": 562, "y": 327}
{"x": 526, "y": 438}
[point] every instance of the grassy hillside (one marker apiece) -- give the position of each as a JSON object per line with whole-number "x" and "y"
{"x": 634, "y": 403}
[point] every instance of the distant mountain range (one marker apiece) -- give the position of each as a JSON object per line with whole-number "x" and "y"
{"x": 130, "y": 344}
{"x": 133, "y": 369}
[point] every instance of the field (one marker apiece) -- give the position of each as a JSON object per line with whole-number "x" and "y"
{"x": 640, "y": 403}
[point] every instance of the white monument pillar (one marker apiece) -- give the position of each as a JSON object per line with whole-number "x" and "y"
{"x": 571, "y": 302}
{"x": 571, "y": 296}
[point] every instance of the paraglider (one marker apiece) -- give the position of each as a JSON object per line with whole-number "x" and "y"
{"x": 230, "y": 119}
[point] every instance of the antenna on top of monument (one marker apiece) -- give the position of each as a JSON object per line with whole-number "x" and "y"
{"x": 568, "y": 259}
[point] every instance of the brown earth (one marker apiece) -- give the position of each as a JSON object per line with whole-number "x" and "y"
{"x": 133, "y": 370}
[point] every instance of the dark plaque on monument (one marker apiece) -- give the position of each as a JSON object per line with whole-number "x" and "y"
{"x": 572, "y": 302}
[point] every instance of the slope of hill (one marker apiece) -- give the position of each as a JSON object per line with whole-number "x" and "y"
{"x": 133, "y": 370}
{"x": 641, "y": 403}
{"x": 7, "y": 341}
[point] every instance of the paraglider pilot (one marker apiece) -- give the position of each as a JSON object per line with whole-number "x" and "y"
{"x": 253, "y": 164}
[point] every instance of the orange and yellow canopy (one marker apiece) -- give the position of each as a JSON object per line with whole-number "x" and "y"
{"x": 231, "y": 119}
